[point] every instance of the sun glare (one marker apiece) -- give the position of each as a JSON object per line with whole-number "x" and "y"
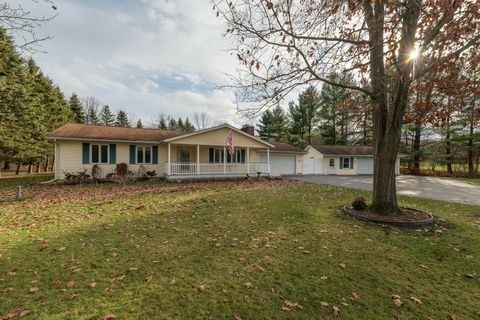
{"x": 414, "y": 54}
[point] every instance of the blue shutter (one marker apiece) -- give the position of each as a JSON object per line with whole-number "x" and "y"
{"x": 155, "y": 154}
{"x": 133, "y": 150}
{"x": 85, "y": 153}
{"x": 113, "y": 154}
{"x": 341, "y": 163}
{"x": 351, "y": 163}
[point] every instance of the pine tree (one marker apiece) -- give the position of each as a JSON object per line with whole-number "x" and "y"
{"x": 172, "y": 124}
{"x": 162, "y": 123}
{"x": 304, "y": 117}
{"x": 92, "y": 117}
{"x": 273, "y": 125}
{"x": 76, "y": 109}
{"x": 189, "y": 127}
{"x": 122, "y": 119}
{"x": 139, "y": 123}
{"x": 106, "y": 116}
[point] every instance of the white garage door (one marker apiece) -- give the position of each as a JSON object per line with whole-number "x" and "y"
{"x": 281, "y": 163}
{"x": 365, "y": 165}
{"x": 312, "y": 165}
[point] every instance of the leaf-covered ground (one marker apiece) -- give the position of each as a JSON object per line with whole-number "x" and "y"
{"x": 229, "y": 250}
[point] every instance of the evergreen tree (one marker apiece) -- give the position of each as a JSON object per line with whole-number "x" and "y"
{"x": 106, "y": 116}
{"x": 188, "y": 126}
{"x": 122, "y": 119}
{"x": 304, "y": 117}
{"x": 92, "y": 117}
{"x": 273, "y": 125}
{"x": 76, "y": 109}
{"x": 139, "y": 123}
{"x": 172, "y": 124}
{"x": 162, "y": 123}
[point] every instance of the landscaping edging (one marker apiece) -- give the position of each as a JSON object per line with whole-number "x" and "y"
{"x": 358, "y": 216}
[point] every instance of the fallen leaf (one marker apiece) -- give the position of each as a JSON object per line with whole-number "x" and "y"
{"x": 342, "y": 265}
{"x": 109, "y": 317}
{"x": 289, "y": 305}
{"x": 33, "y": 290}
{"x": 423, "y": 266}
{"x": 132, "y": 269}
{"x": 470, "y": 275}
{"x": 355, "y": 295}
{"x": 201, "y": 287}
{"x": 71, "y": 283}
{"x": 14, "y": 313}
{"x": 149, "y": 278}
{"x": 61, "y": 249}
{"x": 397, "y": 302}
{"x": 237, "y": 317}
{"x": 415, "y": 300}
{"x": 323, "y": 278}
{"x": 324, "y": 304}
{"x": 118, "y": 278}
{"x": 335, "y": 312}
{"x": 72, "y": 296}
{"x": 248, "y": 285}
{"x": 8, "y": 289}
{"x": 395, "y": 296}
{"x": 92, "y": 285}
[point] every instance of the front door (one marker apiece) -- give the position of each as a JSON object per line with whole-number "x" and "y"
{"x": 184, "y": 157}
{"x": 331, "y": 166}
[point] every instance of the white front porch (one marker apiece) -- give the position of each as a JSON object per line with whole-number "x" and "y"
{"x": 196, "y": 170}
{"x": 203, "y": 162}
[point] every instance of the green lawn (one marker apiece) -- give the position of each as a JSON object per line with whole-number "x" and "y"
{"x": 229, "y": 250}
{"x": 470, "y": 180}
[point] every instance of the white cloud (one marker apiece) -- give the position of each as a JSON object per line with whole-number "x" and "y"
{"x": 149, "y": 57}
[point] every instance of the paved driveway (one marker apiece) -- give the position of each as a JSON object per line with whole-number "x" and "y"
{"x": 425, "y": 187}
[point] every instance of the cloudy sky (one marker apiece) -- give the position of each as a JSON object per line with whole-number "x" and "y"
{"x": 144, "y": 56}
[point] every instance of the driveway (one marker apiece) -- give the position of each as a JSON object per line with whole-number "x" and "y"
{"x": 424, "y": 187}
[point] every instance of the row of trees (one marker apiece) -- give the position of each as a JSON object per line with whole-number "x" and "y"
{"x": 31, "y": 105}
{"x": 334, "y": 115}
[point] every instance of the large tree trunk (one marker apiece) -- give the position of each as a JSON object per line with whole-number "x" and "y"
{"x": 416, "y": 147}
{"x": 45, "y": 167}
{"x": 6, "y": 165}
{"x": 29, "y": 168}
{"x": 388, "y": 119}
{"x": 470, "y": 148}
{"x": 448, "y": 148}
{"x": 17, "y": 171}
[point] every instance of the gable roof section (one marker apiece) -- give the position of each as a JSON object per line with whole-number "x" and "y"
{"x": 175, "y": 138}
{"x": 78, "y": 131}
{"x": 344, "y": 150}
{"x": 283, "y": 147}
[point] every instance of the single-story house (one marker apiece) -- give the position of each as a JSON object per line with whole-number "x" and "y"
{"x": 340, "y": 160}
{"x": 174, "y": 155}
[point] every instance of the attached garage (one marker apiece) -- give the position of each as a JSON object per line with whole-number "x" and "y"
{"x": 281, "y": 164}
{"x": 365, "y": 165}
{"x": 285, "y": 159}
{"x": 312, "y": 161}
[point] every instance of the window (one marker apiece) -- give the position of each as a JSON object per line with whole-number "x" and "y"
{"x": 215, "y": 155}
{"x": 346, "y": 163}
{"x": 99, "y": 153}
{"x": 331, "y": 162}
{"x": 237, "y": 157}
{"x": 144, "y": 155}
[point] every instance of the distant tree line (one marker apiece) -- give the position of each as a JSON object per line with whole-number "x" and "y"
{"x": 332, "y": 116}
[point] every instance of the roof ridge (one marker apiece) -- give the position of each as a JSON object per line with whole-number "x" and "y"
{"x": 113, "y": 126}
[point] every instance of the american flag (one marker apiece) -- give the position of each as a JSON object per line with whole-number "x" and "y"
{"x": 231, "y": 147}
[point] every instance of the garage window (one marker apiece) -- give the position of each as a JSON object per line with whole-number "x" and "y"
{"x": 346, "y": 163}
{"x": 331, "y": 163}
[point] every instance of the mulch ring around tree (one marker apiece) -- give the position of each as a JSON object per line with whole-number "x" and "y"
{"x": 407, "y": 217}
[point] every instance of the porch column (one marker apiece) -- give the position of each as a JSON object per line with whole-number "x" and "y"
{"x": 198, "y": 159}
{"x": 248, "y": 160}
{"x": 268, "y": 160}
{"x": 168, "y": 160}
{"x": 224, "y": 160}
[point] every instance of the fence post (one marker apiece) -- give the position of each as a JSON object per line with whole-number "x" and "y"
{"x": 18, "y": 195}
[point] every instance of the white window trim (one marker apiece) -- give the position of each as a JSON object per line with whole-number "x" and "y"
{"x": 350, "y": 162}
{"x": 99, "y": 153}
{"x": 331, "y": 164}
{"x": 238, "y": 151}
{"x": 220, "y": 151}
{"x": 151, "y": 154}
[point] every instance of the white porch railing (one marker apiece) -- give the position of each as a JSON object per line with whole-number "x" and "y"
{"x": 199, "y": 170}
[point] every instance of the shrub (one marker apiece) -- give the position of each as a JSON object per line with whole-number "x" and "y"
{"x": 151, "y": 173}
{"x": 359, "y": 203}
{"x": 121, "y": 170}
{"x": 96, "y": 172}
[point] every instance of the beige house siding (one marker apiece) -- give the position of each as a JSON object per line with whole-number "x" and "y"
{"x": 218, "y": 137}
{"x": 69, "y": 158}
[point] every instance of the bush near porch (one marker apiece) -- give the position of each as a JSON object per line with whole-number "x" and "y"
{"x": 229, "y": 250}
